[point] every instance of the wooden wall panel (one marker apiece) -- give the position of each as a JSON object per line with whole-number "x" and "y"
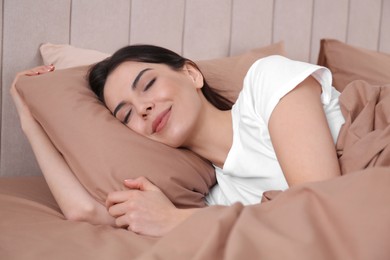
{"x": 252, "y": 20}
{"x": 207, "y": 29}
{"x": 1, "y": 64}
{"x": 384, "y": 43}
{"x": 364, "y": 23}
{"x": 330, "y": 20}
{"x": 199, "y": 29}
{"x": 293, "y": 25}
{"x": 25, "y": 26}
{"x": 158, "y": 22}
{"x": 100, "y": 24}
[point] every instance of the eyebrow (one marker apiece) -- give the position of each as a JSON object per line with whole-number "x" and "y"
{"x": 133, "y": 86}
{"x": 135, "y": 82}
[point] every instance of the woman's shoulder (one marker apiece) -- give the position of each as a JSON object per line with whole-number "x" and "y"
{"x": 278, "y": 62}
{"x": 279, "y": 68}
{"x": 266, "y": 67}
{"x": 258, "y": 78}
{"x": 269, "y": 65}
{"x": 268, "y": 60}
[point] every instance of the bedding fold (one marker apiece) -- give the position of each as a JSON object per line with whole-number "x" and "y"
{"x": 365, "y": 137}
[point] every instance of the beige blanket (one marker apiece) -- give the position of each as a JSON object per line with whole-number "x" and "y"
{"x": 343, "y": 218}
{"x": 365, "y": 137}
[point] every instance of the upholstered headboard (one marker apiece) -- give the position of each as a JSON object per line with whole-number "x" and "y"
{"x": 198, "y": 29}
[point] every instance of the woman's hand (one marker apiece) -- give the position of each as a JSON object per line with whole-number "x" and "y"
{"x": 23, "y": 110}
{"x": 144, "y": 208}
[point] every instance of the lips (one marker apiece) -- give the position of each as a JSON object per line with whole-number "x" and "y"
{"x": 161, "y": 120}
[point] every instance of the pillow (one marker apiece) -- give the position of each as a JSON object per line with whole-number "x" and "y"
{"x": 349, "y": 63}
{"x": 65, "y": 56}
{"x": 102, "y": 152}
{"x": 225, "y": 75}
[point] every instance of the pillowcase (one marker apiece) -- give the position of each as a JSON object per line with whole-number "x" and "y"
{"x": 349, "y": 63}
{"x": 101, "y": 151}
{"x": 225, "y": 75}
{"x": 65, "y": 56}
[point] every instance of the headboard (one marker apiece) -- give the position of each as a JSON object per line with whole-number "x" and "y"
{"x": 198, "y": 29}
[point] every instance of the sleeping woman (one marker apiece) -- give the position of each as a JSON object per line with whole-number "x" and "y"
{"x": 280, "y": 132}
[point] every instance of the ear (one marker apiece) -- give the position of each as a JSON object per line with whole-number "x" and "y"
{"x": 194, "y": 74}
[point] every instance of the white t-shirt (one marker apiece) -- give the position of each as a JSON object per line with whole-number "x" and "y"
{"x": 251, "y": 166}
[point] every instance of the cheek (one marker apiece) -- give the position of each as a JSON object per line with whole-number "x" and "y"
{"x": 168, "y": 88}
{"x": 137, "y": 126}
{"x": 164, "y": 91}
{"x": 183, "y": 123}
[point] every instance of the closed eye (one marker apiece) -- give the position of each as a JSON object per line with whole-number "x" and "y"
{"x": 127, "y": 117}
{"x": 150, "y": 84}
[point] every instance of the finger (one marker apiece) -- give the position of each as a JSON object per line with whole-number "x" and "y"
{"x": 118, "y": 210}
{"x": 32, "y": 73}
{"x": 117, "y": 197}
{"x": 40, "y": 70}
{"x": 141, "y": 183}
{"x": 122, "y": 222}
{"x": 133, "y": 184}
{"x": 129, "y": 223}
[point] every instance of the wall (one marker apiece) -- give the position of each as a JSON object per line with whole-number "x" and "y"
{"x": 198, "y": 29}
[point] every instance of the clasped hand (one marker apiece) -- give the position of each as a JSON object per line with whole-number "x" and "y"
{"x": 143, "y": 209}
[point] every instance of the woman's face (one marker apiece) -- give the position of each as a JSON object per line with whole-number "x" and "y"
{"x": 155, "y": 101}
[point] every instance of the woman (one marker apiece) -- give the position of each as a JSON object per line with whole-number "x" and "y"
{"x": 280, "y": 132}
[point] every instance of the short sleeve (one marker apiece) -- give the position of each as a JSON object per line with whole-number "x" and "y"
{"x": 271, "y": 78}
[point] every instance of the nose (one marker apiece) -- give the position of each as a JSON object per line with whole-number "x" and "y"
{"x": 147, "y": 111}
{"x": 144, "y": 109}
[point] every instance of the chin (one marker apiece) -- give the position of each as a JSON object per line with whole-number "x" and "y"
{"x": 164, "y": 140}
{"x": 175, "y": 135}
{"x": 175, "y": 144}
{"x": 174, "y": 140}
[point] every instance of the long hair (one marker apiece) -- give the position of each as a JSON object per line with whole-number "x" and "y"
{"x": 98, "y": 73}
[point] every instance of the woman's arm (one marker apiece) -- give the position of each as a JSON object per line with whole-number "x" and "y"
{"x": 75, "y": 202}
{"x": 301, "y": 136}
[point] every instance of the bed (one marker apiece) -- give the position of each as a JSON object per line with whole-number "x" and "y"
{"x": 344, "y": 218}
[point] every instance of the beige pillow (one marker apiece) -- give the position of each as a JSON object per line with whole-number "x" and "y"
{"x": 102, "y": 152}
{"x": 65, "y": 56}
{"x": 349, "y": 63}
{"x": 224, "y": 74}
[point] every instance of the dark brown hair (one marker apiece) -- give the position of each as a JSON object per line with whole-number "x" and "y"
{"x": 99, "y": 72}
